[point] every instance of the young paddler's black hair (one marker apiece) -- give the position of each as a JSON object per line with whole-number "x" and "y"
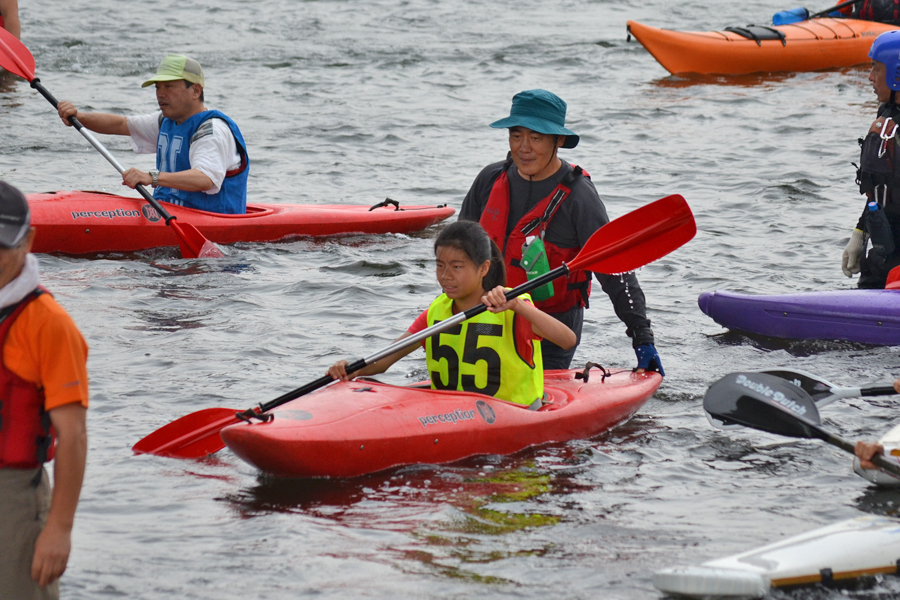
{"x": 470, "y": 238}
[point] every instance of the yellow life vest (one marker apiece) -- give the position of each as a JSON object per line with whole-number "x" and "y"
{"x": 480, "y": 355}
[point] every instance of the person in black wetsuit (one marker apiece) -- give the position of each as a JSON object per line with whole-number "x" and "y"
{"x": 878, "y": 175}
{"x": 534, "y": 194}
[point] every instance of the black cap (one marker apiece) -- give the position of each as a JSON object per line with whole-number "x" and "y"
{"x": 15, "y": 219}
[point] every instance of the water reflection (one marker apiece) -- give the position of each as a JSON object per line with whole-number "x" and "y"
{"x": 764, "y": 79}
{"x": 796, "y": 348}
{"x": 8, "y": 84}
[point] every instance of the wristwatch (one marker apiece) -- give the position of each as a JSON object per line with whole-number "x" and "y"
{"x": 154, "y": 175}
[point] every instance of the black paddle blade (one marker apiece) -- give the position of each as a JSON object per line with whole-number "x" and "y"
{"x": 764, "y": 402}
{"x": 814, "y": 386}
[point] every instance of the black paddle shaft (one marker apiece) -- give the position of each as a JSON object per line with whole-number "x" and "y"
{"x": 878, "y": 460}
{"x": 406, "y": 342}
{"x": 822, "y": 13}
{"x": 879, "y": 390}
{"x": 36, "y": 84}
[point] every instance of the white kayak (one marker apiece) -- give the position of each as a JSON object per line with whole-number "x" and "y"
{"x": 860, "y": 547}
{"x": 891, "y": 443}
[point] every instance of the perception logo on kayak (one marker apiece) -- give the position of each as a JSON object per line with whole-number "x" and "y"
{"x": 764, "y": 390}
{"x": 451, "y": 417}
{"x": 150, "y": 213}
{"x": 486, "y": 412}
{"x": 105, "y": 214}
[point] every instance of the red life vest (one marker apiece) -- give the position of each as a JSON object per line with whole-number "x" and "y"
{"x": 26, "y": 437}
{"x": 2, "y": 24}
{"x": 567, "y": 293}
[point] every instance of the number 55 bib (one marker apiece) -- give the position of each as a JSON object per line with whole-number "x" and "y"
{"x": 482, "y": 355}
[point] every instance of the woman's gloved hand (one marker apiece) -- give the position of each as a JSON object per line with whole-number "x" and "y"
{"x": 853, "y": 252}
{"x": 648, "y": 359}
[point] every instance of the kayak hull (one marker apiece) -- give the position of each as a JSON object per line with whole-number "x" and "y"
{"x": 866, "y": 316}
{"x": 362, "y": 426}
{"x": 860, "y": 547}
{"x": 87, "y": 222}
{"x": 808, "y": 46}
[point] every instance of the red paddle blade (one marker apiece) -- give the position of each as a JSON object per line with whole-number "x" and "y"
{"x": 15, "y": 57}
{"x": 638, "y": 238}
{"x": 192, "y": 436}
{"x": 893, "y": 279}
{"x": 192, "y": 242}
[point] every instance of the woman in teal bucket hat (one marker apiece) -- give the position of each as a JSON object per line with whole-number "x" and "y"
{"x": 535, "y": 195}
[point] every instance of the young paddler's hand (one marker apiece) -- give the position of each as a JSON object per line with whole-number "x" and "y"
{"x": 339, "y": 370}
{"x": 865, "y": 451}
{"x": 132, "y": 177}
{"x": 66, "y": 109}
{"x": 897, "y": 386}
{"x": 496, "y": 302}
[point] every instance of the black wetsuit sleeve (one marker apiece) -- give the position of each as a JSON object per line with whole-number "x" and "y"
{"x": 630, "y": 305}
{"x": 624, "y": 291}
{"x": 477, "y": 198}
{"x": 861, "y": 224}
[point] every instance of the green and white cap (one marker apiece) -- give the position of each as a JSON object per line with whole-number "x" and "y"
{"x": 175, "y": 67}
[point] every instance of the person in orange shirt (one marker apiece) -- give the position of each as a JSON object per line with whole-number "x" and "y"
{"x": 43, "y": 405}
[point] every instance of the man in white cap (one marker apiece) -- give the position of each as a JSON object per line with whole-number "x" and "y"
{"x": 201, "y": 157}
{"x": 534, "y": 204}
{"x": 43, "y": 405}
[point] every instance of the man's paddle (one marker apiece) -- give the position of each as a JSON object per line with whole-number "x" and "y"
{"x": 16, "y": 58}
{"x": 629, "y": 242}
{"x": 795, "y": 15}
{"x": 769, "y": 403}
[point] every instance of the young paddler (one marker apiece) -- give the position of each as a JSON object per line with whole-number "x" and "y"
{"x": 497, "y": 353}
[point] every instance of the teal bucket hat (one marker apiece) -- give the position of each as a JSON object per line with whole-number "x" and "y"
{"x": 541, "y": 111}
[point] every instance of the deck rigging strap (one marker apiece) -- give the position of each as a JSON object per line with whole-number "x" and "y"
{"x": 758, "y": 33}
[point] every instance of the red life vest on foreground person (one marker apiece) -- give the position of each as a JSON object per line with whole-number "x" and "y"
{"x": 26, "y": 436}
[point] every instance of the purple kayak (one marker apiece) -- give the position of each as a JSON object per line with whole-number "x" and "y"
{"x": 867, "y": 316}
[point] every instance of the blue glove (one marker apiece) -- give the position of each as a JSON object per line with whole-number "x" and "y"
{"x": 648, "y": 358}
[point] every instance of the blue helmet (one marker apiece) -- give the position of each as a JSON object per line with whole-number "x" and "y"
{"x": 886, "y": 49}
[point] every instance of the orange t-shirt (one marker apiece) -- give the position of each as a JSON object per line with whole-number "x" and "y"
{"x": 45, "y": 347}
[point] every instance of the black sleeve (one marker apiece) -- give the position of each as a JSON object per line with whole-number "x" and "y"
{"x": 861, "y": 224}
{"x": 475, "y": 201}
{"x": 628, "y": 301}
{"x": 624, "y": 291}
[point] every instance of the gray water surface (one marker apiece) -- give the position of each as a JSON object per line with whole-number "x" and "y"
{"x": 351, "y": 102}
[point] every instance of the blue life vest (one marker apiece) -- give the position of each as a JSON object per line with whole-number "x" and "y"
{"x": 173, "y": 156}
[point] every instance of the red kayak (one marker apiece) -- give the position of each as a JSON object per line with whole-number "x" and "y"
{"x": 363, "y": 426}
{"x": 87, "y": 222}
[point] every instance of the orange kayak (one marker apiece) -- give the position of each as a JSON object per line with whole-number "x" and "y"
{"x": 88, "y": 222}
{"x": 811, "y": 45}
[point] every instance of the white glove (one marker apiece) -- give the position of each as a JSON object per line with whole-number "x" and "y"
{"x": 853, "y": 252}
